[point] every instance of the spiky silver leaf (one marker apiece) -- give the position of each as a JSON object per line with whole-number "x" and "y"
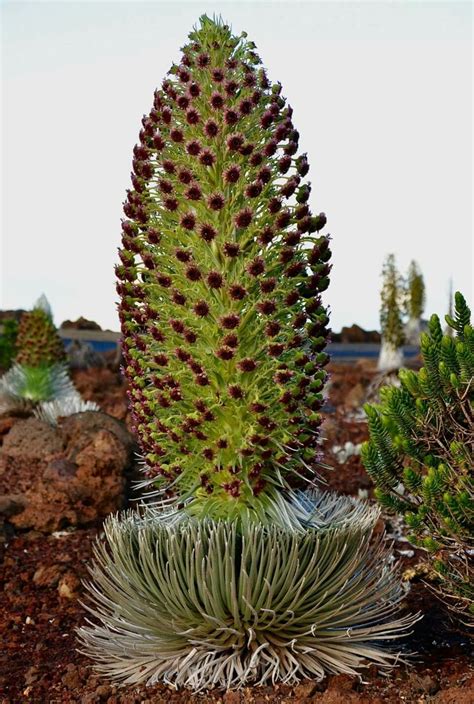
{"x": 50, "y": 411}
{"x": 35, "y": 384}
{"x": 199, "y": 603}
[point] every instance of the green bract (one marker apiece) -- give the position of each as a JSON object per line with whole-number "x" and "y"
{"x": 420, "y": 452}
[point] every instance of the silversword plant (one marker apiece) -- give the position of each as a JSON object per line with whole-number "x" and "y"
{"x": 233, "y": 578}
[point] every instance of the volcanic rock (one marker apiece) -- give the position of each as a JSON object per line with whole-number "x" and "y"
{"x": 70, "y": 475}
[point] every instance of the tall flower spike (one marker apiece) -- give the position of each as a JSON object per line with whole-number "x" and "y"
{"x": 221, "y": 182}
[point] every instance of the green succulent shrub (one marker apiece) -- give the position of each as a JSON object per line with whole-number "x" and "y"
{"x": 232, "y": 577}
{"x": 8, "y": 335}
{"x": 420, "y": 453}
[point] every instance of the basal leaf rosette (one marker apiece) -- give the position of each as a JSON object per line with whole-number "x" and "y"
{"x": 222, "y": 266}
{"x": 198, "y": 603}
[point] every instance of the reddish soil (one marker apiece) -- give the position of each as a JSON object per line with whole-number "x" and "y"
{"x": 40, "y": 588}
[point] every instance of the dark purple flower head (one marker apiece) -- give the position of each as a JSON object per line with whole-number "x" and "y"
{"x": 217, "y": 100}
{"x": 247, "y": 148}
{"x": 176, "y": 135}
{"x": 158, "y": 141}
{"x": 194, "y": 90}
{"x": 183, "y": 102}
{"x": 244, "y": 217}
{"x": 184, "y": 75}
{"x": 166, "y": 115}
{"x": 266, "y": 119}
{"x": 235, "y": 391}
{"x": 275, "y": 349}
{"x": 302, "y": 165}
{"x": 216, "y": 201}
{"x": 232, "y": 174}
{"x": 215, "y": 279}
{"x": 225, "y": 353}
{"x": 193, "y": 273}
{"x": 284, "y": 164}
{"x": 192, "y": 116}
{"x": 164, "y": 280}
{"x": 183, "y": 255}
{"x": 295, "y": 269}
{"x": 256, "y": 159}
{"x": 201, "y": 309}
{"x": 188, "y": 221}
{"x": 264, "y": 174}
{"x": 230, "y": 87}
{"x": 165, "y": 186}
{"x": 153, "y": 235}
{"x": 190, "y": 336}
{"x": 203, "y": 60}
{"x": 193, "y": 148}
{"x": 231, "y": 117}
{"x": 237, "y": 292}
{"x": 272, "y": 328}
{"x": 170, "y": 204}
{"x": 193, "y": 192}
{"x": 229, "y": 321}
{"x": 182, "y": 355}
{"x": 230, "y": 340}
{"x": 207, "y": 232}
{"x": 267, "y": 307}
{"x": 286, "y": 255}
{"x": 176, "y": 325}
{"x": 185, "y": 176}
{"x": 268, "y": 285}
{"x": 231, "y": 249}
{"x": 207, "y": 157}
{"x": 270, "y": 147}
{"x": 217, "y": 75}
{"x": 235, "y": 141}
{"x": 247, "y": 365}
{"x": 211, "y": 128}
{"x": 256, "y": 266}
{"x": 292, "y": 298}
{"x": 169, "y": 166}
{"x": 178, "y": 297}
{"x": 245, "y": 107}
{"x": 254, "y": 189}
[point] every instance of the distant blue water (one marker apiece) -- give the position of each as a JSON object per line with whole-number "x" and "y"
{"x": 98, "y": 345}
{"x": 336, "y": 350}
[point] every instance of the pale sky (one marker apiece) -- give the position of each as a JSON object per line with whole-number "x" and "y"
{"x": 382, "y": 97}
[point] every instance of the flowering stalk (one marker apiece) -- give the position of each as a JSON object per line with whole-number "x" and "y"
{"x": 221, "y": 269}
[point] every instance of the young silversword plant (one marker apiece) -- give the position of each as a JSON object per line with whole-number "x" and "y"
{"x": 39, "y": 376}
{"x": 420, "y": 453}
{"x": 238, "y": 579}
{"x": 414, "y": 304}
{"x": 391, "y": 320}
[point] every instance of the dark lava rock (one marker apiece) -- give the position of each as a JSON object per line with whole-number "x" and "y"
{"x": 80, "y": 324}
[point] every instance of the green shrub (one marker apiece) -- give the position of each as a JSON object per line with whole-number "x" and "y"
{"x": 420, "y": 453}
